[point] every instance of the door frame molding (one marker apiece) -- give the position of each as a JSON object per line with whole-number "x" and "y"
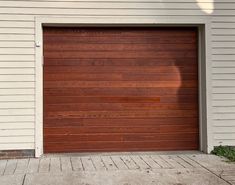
{"x": 204, "y": 63}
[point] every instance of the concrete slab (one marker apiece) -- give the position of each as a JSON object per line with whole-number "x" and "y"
{"x": 10, "y": 167}
{"x": 33, "y": 165}
{"x": 134, "y": 177}
{"x": 12, "y": 179}
{"x": 119, "y": 169}
{"x": 3, "y": 164}
{"x": 77, "y": 164}
{"x": 21, "y": 166}
{"x": 55, "y": 166}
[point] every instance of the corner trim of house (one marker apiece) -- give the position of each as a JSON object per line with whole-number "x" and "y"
{"x": 40, "y": 21}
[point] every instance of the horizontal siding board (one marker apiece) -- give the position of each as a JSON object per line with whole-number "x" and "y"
{"x": 224, "y": 109}
{"x": 17, "y": 132}
{"x": 112, "y": 5}
{"x": 16, "y": 146}
{"x": 8, "y": 30}
{"x": 17, "y": 84}
{"x": 17, "y": 139}
{"x": 229, "y": 57}
{"x": 224, "y": 19}
{"x": 227, "y": 90}
{"x": 20, "y": 105}
{"x": 223, "y": 102}
{"x": 223, "y": 70}
{"x": 223, "y": 96}
{"x": 5, "y": 119}
{"x": 223, "y": 44}
{"x": 17, "y": 125}
{"x": 223, "y": 38}
{"x": 223, "y": 25}
{"x": 108, "y": 12}
{"x": 223, "y": 31}
{"x": 17, "y": 91}
{"x": 224, "y": 64}
{"x": 16, "y": 98}
{"x": 223, "y": 51}
{"x": 223, "y": 76}
{"x": 14, "y": 37}
{"x": 16, "y": 112}
{"x": 224, "y": 116}
{"x": 224, "y": 123}
{"x": 16, "y": 44}
{"x": 17, "y": 64}
{"x": 225, "y": 136}
{"x": 9, "y": 17}
{"x": 16, "y": 24}
{"x": 229, "y": 142}
{"x": 223, "y": 83}
{"x": 15, "y": 51}
{"x": 17, "y": 71}
{"x": 166, "y": 1}
{"x": 17, "y": 57}
{"x": 17, "y": 78}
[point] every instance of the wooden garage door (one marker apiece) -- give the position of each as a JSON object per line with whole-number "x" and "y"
{"x": 120, "y": 89}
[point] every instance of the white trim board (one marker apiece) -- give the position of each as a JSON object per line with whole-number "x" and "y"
{"x": 204, "y": 25}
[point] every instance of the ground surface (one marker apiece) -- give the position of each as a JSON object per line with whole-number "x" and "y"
{"x": 119, "y": 169}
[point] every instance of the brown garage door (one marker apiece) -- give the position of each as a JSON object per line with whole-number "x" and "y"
{"x": 120, "y": 89}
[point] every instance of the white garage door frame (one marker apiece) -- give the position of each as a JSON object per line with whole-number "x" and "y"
{"x": 204, "y": 64}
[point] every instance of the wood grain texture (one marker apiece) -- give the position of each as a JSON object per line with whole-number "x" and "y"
{"x": 120, "y": 89}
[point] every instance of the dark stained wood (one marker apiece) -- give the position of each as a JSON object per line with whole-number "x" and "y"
{"x": 120, "y": 62}
{"x": 120, "y": 89}
{"x": 119, "y": 106}
{"x": 128, "y": 69}
{"x": 125, "y": 92}
{"x": 121, "y": 122}
{"x": 117, "y": 47}
{"x": 122, "y": 137}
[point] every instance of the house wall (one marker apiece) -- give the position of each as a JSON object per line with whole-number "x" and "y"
{"x": 17, "y": 57}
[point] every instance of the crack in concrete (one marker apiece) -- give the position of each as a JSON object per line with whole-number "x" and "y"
{"x": 212, "y": 172}
{"x": 24, "y": 179}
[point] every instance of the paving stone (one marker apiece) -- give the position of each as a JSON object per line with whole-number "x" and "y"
{"x": 33, "y": 165}
{"x": 110, "y": 165}
{"x": 159, "y": 159}
{"x": 97, "y": 169}
{"x": 129, "y": 162}
{"x": 44, "y": 165}
{"x": 10, "y": 167}
{"x": 169, "y": 160}
{"x": 130, "y": 177}
{"x": 87, "y": 164}
{"x": 150, "y": 162}
{"x": 22, "y": 166}
{"x": 140, "y": 162}
{"x": 182, "y": 162}
{"x": 66, "y": 164}
{"x": 190, "y": 161}
{"x": 55, "y": 165}
{"x": 12, "y": 179}
{"x": 77, "y": 164}
{"x": 3, "y": 164}
{"x": 98, "y": 162}
{"x": 119, "y": 163}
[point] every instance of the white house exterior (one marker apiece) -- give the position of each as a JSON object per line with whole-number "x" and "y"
{"x": 21, "y": 58}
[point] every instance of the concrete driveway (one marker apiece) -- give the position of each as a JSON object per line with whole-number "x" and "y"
{"x": 119, "y": 169}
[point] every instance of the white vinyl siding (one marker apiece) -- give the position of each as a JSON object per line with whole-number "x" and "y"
{"x": 223, "y": 75}
{"x": 17, "y": 56}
